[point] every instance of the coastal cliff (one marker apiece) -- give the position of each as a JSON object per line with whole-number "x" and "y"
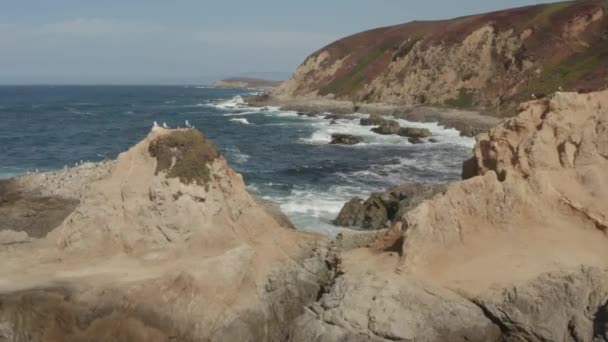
{"x": 489, "y": 62}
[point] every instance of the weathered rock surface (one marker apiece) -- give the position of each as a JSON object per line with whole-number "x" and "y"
{"x": 380, "y": 209}
{"x": 345, "y": 139}
{"x": 163, "y": 244}
{"x": 515, "y": 253}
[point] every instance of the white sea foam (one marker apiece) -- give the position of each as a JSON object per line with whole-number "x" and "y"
{"x": 322, "y": 135}
{"x": 241, "y": 120}
{"x": 314, "y": 209}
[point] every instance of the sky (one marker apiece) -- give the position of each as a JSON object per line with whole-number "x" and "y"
{"x": 190, "y": 41}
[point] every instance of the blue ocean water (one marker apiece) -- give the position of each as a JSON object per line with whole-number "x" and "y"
{"x": 282, "y": 156}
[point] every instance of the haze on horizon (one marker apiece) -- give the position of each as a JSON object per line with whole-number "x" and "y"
{"x": 187, "y": 42}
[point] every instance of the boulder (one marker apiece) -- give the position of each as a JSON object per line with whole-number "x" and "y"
{"x": 388, "y": 127}
{"x": 372, "y": 120}
{"x": 415, "y": 141}
{"x": 380, "y": 209}
{"x": 412, "y": 132}
{"x": 345, "y": 139}
{"x": 433, "y": 140}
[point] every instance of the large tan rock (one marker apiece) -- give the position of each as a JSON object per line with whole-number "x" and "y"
{"x": 165, "y": 245}
{"x": 518, "y": 252}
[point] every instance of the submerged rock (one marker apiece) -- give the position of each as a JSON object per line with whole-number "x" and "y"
{"x": 345, "y": 139}
{"x": 380, "y": 209}
{"x": 415, "y": 141}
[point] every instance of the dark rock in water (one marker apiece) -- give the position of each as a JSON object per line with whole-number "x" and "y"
{"x": 387, "y": 127}
{"x": 308, "y": 114}
{"x": 415, "y": 141}
{"x": 383, "y": 208}
{"x": 373, "y": 120}
{"x": 333, "y": 122}
{"x": 339, "y": 117}
{"x": 345, "y": 139}
{"x": 433, "y": 140}
{"x": 412, "y": 132}
{"x": 352, "y": 214}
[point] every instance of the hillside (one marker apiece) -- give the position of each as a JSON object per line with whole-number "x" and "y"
{"x": 489, "y": 61}
{"x": 246, "y": 82}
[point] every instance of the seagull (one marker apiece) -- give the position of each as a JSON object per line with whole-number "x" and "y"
{"x": 155, "y": 125}
{"x": 165, "y": 125}
{"x": 533, "y": 96}
{"x": 560, "y": 88}
{"x": 188, "y": 125}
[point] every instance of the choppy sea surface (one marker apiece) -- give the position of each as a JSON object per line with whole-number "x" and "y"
{"x": 283, "y": 157}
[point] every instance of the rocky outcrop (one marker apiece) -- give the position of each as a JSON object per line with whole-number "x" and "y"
{"x": 490, "y": 61}
{"x": 387, "y": 127}
{"x": 372, "y": 120}
{"x": 380, "y": 209}
{"x": 412, "y": 132}
{"x": 345, "y": 139}
{"x": 515, "y": 253}
{"x": 163, "y": 244}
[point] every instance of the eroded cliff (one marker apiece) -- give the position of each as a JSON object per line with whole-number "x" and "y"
{"x": 490, "y": 61}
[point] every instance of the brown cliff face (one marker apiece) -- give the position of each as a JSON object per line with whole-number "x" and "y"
{"x": 490, "y": 61}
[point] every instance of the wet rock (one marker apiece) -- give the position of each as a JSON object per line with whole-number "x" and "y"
{"x": 373, "y": 120}
{"x": 308, "y": 114}
{"x": 388, "y": 127}
{"x": 415, "y": 141}
{"x": 382, "y": 208}
{"x": 433, "y": 140}
{"x": 345, "y": 139}
{"x": 335, "y": 116}
{"x": 412, "y": 132}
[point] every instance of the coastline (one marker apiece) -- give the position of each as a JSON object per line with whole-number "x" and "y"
{"x": 469, "y": 123}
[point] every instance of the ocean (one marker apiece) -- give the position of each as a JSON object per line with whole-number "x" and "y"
{"x": 284, "y": 157}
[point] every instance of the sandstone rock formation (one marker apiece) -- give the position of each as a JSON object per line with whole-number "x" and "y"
{"x": 163, "y": 244}
{"x": 515, "y": 253}
{"x": 382, "y": 208}
{"x": 489, "y": 61}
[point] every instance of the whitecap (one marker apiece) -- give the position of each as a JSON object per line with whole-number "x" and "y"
{"x": 241, "y": 120}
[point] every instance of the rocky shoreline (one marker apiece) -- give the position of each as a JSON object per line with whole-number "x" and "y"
{"x": 165, "y": 243}
{"x": 469, "y": 123}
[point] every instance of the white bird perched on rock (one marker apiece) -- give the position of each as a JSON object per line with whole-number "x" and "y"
{"x": 165, "y": 125}
{"x": 188, "y": 125}
{"x": 155, "y": 125}
{"x": 560, "y": 88}
{"x": 533, "y": 96}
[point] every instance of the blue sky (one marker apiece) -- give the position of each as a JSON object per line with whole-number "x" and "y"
{"x": 188, "y": 41}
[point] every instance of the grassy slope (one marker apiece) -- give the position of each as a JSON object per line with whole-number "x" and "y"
{"x": 565, "y": 64}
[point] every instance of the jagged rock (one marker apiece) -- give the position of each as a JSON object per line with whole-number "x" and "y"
{"x": 163, "y": 244}
{"x": 381, "y": 208}
{"x": 411, "y": 132}
{"x": 535, "y": 206}
{"x": 372, "y": 120}
{"x": 345, "y": 139}
{"x": 388, "y": 127}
